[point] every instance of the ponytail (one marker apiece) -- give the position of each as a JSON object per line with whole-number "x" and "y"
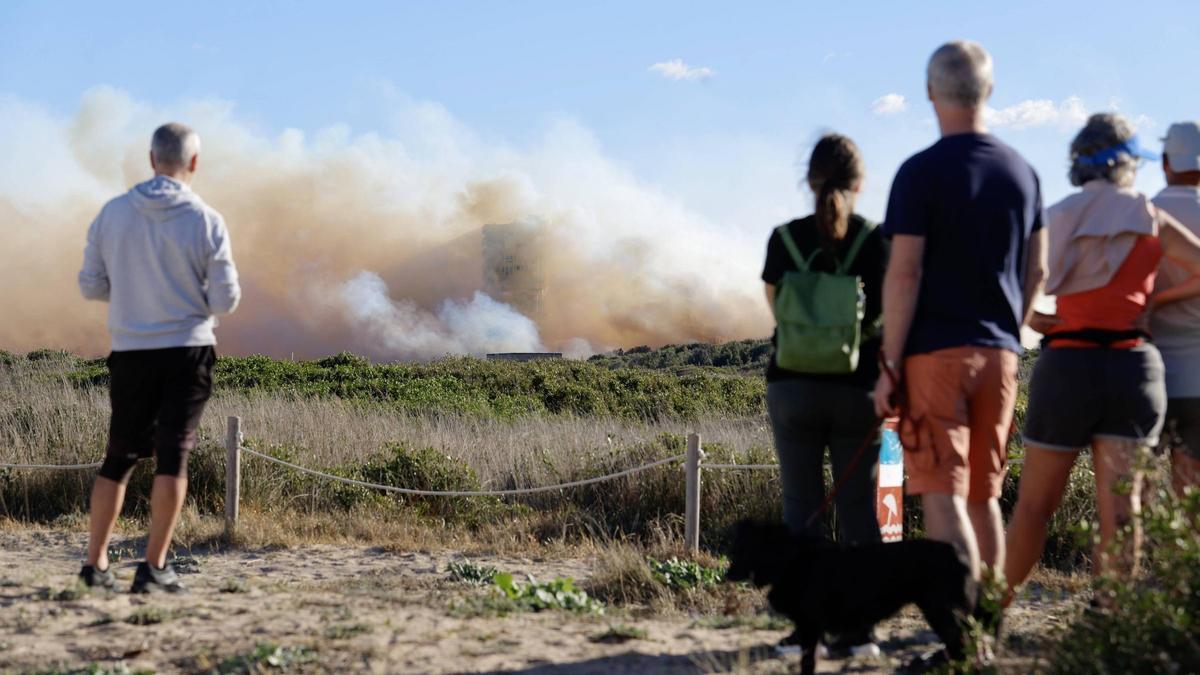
{"x": 832, "y": 213}
{"x": 834, "y": 171}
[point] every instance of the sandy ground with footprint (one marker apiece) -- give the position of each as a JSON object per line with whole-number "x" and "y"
{"x": 361, "y": 609}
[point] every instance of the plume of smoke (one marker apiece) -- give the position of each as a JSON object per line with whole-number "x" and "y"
{"x": 401, "y": 327}
{"x": 371, "y": 242}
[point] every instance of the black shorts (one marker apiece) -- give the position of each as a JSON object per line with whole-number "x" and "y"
{"x": 1182, "y": 432}
{"x": 158, "y": 396}
{"x": 1081, "y": 394}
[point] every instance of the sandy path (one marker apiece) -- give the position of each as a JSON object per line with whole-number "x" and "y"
{"x": 368, "y": 610}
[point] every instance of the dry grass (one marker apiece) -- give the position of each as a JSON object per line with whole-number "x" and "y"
{"x": 45, "y": 418}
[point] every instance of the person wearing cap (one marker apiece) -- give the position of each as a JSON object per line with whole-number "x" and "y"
{"x": 1175, "y": 307}
{"x": 1098, "y": 382}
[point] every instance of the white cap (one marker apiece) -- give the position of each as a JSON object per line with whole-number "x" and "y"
{"x": 1182, "y": 146}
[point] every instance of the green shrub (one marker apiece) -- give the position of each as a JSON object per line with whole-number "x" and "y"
{"x": 148, "y": 616}
{"x": 427, "y": 469}
{"x": 474, "y": 386}
{"x": 560, "y": 593}
{"x": 472, "y": 573}
{"x": 419, "y": 469}
{"x": 1153, "y": 625}
{"x": 234, "y": 585}
{"x": 748, "y": 356}
{"x": 52, "y": 355}
{"x": 266, "y": 655}
{"x": 69, "y": 593}
{"x": 618, "y": 634}
{"x": 683, "y": 574}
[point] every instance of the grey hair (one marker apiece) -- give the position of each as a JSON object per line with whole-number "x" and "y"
{"x": 960, "y": 72}
{"x": 1103, "y": 131}
{"x": 174, "y": 145}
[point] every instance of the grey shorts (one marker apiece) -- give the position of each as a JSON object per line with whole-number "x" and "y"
{"x": 1077, "y": 395}
{"x": 1182, "y": 432}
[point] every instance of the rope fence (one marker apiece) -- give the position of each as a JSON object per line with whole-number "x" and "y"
{"x": 234, "y": 447}
{"x": 745, "y": 467}
{"x": 463, "y": 493}
{"x": 62, "y": 467}
{"x": 693, "y": 464}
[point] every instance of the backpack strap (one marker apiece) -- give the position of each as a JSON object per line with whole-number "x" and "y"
{"x": 855, "y": 246}
{"x": 801, "y": 263}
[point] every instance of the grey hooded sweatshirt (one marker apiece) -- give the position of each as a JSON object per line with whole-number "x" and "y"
{"x": 161, "y": 258}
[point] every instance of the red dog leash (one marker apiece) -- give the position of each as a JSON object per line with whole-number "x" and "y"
{"x": 899, "y": 400}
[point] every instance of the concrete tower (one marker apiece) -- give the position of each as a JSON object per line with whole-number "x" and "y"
{"x": 513, "y": 266}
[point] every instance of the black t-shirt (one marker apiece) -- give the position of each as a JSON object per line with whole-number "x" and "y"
{"x": 868, "y": 265}
{"x": 976, "y": 202}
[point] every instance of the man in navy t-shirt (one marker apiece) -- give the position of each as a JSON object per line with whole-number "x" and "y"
{"x": 968, "y": 255}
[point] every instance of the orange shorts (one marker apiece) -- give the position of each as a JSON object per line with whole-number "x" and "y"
{"x": 960, "y": 410}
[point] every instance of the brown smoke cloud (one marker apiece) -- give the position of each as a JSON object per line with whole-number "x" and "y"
{"x": 372, "y": 243}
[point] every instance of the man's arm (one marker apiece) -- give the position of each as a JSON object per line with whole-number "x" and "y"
{"x": 1178, "y": 243}
{"x": 770, "y": 291}
{"x": 224, "y": 292}
{"x": 1185, "y": 291}
{"x": 901, "y": 285}
{"x": 1036, "y": 271}
{"x": 93, "y": 277}
{"x": 1182, "y": 247}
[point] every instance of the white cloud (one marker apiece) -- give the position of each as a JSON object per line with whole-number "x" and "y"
{"x": 889, "y": 104}
{"x": 676, "y": 69}
{"x": 1069, "y": 114}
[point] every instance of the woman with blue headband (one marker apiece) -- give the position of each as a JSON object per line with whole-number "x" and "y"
{"x": 1098, "y": 382}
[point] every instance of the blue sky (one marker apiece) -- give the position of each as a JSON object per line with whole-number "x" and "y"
{"x": 780, "y": 73}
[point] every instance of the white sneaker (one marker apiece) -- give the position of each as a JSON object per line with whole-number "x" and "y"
{"x": 867, "y": 650}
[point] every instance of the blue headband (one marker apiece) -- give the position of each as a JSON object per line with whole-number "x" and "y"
{"x": 1130, "y": 147}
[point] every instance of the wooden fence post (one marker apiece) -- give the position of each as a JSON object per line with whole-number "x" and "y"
{"x": 233, "y": 474}
{"x": 691, "y": 519}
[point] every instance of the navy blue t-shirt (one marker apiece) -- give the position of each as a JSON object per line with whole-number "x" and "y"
{"x": 976, "y": 202}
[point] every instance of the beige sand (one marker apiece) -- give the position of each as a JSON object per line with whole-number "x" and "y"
{"x": 365, "y": 609}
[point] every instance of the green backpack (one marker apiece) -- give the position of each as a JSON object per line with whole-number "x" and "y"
{"x": 819, "y": 315}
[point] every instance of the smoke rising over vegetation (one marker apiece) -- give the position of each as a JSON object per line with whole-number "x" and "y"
{"x": 371, "y": 243}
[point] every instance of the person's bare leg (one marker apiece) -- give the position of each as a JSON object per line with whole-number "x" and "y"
{"x": 1043, "y": 479}
{"x": 166, "y": 501}
{"x": 1118, "y": 500}
{"x": 1185, "y": 471}
{"x": 107, "y": 497}
{"x": 946, "y": 520}
{"x": 988, "y": 525}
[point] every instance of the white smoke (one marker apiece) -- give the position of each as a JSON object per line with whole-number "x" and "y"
{"x": 388, "y": 326}
{"x": 371, "y": 241}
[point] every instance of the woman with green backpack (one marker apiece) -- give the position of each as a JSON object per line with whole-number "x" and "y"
{"x": 824, "y": 278}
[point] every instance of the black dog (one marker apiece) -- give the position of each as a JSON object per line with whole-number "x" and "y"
{"x": 825, "y": 587}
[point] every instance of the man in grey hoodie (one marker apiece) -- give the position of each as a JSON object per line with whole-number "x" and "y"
{"x": 161, "y": 258}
